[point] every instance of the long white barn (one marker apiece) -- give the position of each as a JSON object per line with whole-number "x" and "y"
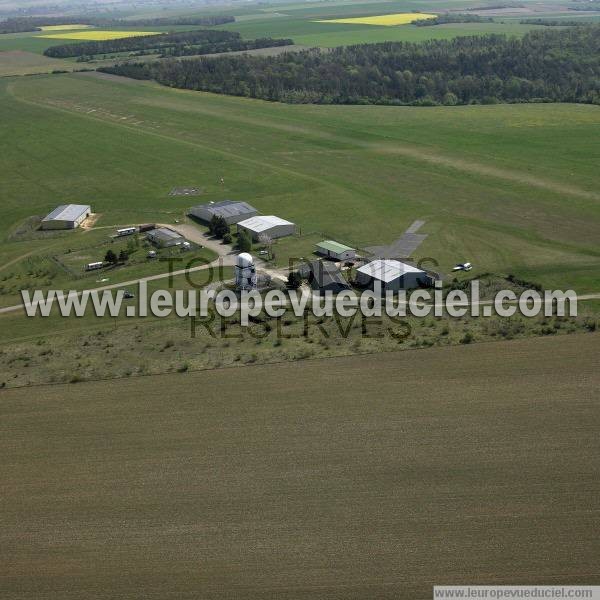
{"x": 66, "y": 216}
{"x": 392, "y": 275}
{"x": 269, "y": 225}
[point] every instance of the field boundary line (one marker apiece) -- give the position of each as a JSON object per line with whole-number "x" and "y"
{"x": 294, "y": 361}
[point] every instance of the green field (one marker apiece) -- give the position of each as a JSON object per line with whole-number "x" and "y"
{"x": 307, "y": 32}
{"x": 359, "y": 478}
{"x": 298, "y": 21}
{"x": 19, "y": 62}
{"x": 512, "y": 188}
{"x": 38, "y": 41}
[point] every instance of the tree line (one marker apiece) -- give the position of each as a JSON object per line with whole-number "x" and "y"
{"x": 452, "y": 18}
{"x": 546, "y": 65}
{"x": 554, "y": 22}
{"x": 200, "y": 41}
{"x": 587, "y": 7}
{"x": 27, "y": 24}
{"x": 230, "y": 45}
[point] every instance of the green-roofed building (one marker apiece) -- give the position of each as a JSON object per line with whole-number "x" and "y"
{"x": 335, "y": 250}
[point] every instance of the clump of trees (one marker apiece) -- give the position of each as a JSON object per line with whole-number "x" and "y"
{"x": 218, "y": 227}
{"x": 546, "y": 65}
{"x": 114, "y": 259}
{"x": 294, "y": 280}
{"x": 244, "y": 241}
{"x": 185, "y": 43}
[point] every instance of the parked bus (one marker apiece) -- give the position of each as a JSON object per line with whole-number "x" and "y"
{"x": 93, "y": 266}
{"x": 126, "y": 231}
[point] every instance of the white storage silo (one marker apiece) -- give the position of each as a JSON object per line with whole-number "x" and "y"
{"x": 245, "y": 272}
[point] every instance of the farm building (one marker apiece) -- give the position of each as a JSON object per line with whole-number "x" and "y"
{"x": 165, "y": 238}
{"x": 66, "y": 216}
{"x": 335, "y": 250}
{"x": 231, "y": 210}
{"x": 270, "y": 225}
{"x": 393, "y": 275}
{"x": 324, "y": 276}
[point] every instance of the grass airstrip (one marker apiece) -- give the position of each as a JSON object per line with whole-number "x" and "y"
{"x": 97, "y": 35}
{"x": 385, "y": 20}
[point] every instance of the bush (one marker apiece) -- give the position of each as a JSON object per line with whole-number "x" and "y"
{"x": 218, "y": 227}
{"x": 244, "y": 241}
{"x": 294, "y": 280}
{"x": 467, "y": 338}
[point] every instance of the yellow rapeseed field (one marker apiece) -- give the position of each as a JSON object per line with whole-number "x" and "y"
{"x": 63, "y": 27}
{"x": 387, "y": 20}
{"x": 96, "y": 35}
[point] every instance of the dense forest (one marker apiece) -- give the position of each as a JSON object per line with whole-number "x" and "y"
{"x": 186, "y": 43}
{"x": 549, "y": 65}
{"x": 26, "y": 24}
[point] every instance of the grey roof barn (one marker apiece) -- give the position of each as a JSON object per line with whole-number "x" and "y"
{"x": 233, "y": 211}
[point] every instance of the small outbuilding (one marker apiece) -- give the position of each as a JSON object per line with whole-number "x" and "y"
{"x": 66, "y": 216}
{"x": 165, "y": 238}
{"x": 269, "y": 225}
{"x": 232, "y": 211}
{"x": 324, "y": 276}
{"x": 335, "y": 250}
{"x": 392, "y": 274}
